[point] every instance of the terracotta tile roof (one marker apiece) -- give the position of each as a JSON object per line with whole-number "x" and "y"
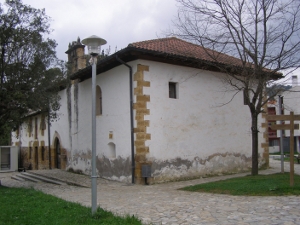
{"x": 168, "y": 50}
{"x": 178, "y": 47}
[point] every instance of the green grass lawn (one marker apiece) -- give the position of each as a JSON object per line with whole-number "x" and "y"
{"x": 22, "y": 206}
{"x": 261, "y": 185}
{"x": 287, "y": 159}
{"x": 275, "y": 153}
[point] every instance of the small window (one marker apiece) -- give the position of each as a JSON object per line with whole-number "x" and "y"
{"x": 98, "y": 101}
{"x": 273, "y": 143}
{"x": 172, "y": 90}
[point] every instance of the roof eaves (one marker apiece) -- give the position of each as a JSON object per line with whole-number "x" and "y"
{"x": 181, "y": 59}
{"x": 86, "y": 72}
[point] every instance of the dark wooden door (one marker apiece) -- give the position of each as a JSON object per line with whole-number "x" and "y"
{"x": 57, "y": 151}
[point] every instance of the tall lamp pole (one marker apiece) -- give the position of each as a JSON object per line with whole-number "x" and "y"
{"x": 94, "y": 46}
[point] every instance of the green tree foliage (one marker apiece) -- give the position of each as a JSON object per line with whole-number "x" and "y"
{"x": 30, "y": 72}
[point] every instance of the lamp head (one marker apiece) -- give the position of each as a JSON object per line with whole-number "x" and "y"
{"x": 94, "y": 44}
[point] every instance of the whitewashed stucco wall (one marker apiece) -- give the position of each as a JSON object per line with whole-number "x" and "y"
{"x": 59, "y": 126}
{"x": 198, "y": 133}
{"x": 73, "y": 126}
{"x": 58, "y": 129}
{"x": 114, "y": 121}
{"x": 203, "y": 131}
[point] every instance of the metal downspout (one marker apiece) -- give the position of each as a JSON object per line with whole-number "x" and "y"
{"x": 49, "y": 143}
{"x": 131, "y": 118}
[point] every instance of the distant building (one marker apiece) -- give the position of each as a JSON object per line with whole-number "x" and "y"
{"x": 274, "y": 141}
{"x": 291, "y": 103}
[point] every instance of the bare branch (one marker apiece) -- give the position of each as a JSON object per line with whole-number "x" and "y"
{"x": 264, "y": 35}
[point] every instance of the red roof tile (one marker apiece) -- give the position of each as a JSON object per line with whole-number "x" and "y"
{"x": 167, "y": 50}
{"x": 178, "y": 47}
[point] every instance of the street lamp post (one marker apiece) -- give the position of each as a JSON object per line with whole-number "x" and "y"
{"x": 94, "y": 45}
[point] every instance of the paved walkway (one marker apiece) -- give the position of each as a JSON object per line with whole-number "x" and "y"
{"x": 164, "y": 204}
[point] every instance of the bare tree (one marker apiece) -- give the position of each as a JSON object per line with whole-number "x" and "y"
{"x": 263, "y": 34}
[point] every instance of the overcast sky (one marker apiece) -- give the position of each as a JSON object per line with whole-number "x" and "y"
{"x": 119, "y": 22}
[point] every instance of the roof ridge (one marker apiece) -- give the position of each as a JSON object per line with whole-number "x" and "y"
{"x": 176, "y": 46}
{"x": 134, "y": 44}
{"x": 153, "y": 40}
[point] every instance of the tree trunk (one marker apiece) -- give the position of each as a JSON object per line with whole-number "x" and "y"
{"x": 254, "y": 130}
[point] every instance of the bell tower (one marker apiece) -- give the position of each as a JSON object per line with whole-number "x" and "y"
{"x": 76, "y": 57}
